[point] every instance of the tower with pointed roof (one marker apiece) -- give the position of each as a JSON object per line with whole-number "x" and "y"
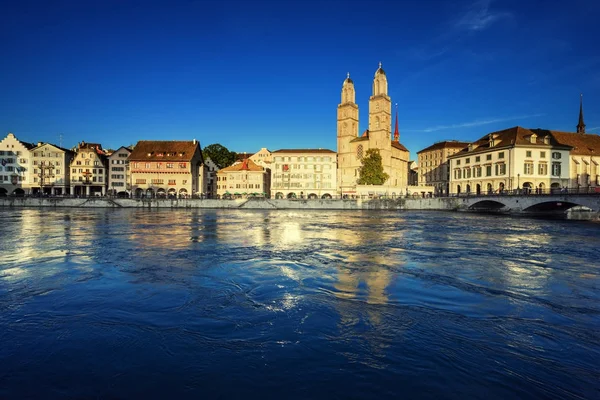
{"x": 380, "y": 112}
{"x": 581, "y": 125}
{"x": 347, "y": 127}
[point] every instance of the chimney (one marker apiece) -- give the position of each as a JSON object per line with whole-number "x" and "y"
{"x": 194, "y": 141}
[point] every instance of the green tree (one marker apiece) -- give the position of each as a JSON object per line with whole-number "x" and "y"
{"x": 371, "y": 172}
{"x": 219, "y": 154}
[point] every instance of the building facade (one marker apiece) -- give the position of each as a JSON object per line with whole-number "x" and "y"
{"x": 303, "y": 173}
{"x": 89, "y": 170}
{"x": 119, "y": 176}
{"x": 514, "y": 158}
{"x": 433, "y": 165}
{"x": 50, "y": 169}
{"x": 166, "y": 169}
{"x": 351, "y": 147}
{"x": 242, "y": 179}
{"x": 263, "y": 157}
{"x": 210, "y": 178}
{"x": 15, "y": 162}
{"x": 584, "y": 160}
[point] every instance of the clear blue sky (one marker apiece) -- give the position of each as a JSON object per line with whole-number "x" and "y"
{"x": 251, "y": 74}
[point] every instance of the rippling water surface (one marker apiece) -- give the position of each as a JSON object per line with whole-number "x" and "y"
{"x": 287, "y": 304}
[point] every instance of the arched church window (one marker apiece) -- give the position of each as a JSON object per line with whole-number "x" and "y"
{"x": 359, "y": 151}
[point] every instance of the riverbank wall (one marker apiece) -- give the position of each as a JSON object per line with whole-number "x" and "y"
{"x": 251, "y": 203}
{"x": 403, "y": 204}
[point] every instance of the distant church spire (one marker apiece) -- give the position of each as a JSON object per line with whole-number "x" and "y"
{"x": 581, "y": 125}
{"x": 396, "y": 133}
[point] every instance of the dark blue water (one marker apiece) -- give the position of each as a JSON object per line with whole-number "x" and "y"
{"x": 279, "y": 304}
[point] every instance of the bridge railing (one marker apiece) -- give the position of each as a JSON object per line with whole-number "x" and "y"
{"x": 532, "y": 192}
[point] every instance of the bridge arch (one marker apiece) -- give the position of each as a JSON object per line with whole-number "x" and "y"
{"x": 487, "y": 205}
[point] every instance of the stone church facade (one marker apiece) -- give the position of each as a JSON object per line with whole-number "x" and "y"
{"x": 352, "y": 147}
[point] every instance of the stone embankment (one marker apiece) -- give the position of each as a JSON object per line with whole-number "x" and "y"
{"x": 439, "y": 204}
{"x": 252, "y": 203}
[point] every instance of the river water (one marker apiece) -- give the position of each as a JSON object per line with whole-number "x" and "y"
{"x": 286, "y": 304}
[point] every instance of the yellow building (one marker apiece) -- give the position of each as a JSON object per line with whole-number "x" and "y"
{"x": 242, "y": 179}
{"x": 303, "y": 173}
{"x": 433, "y": 165}
{"x": 161, "y": 168}
{"x": 351, "y": 147}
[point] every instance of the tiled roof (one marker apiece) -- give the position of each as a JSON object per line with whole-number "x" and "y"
{"x": 447, "y": 144}
{"x": 398, "y": 146}
{"x": 583, "y": 144}
{"x": 246, "y": 165}
{"x": 359, "y": 139}
{"x": 303, "y": 151}
{"x": 164, "y": 150}
{"x": 507, "y": 138}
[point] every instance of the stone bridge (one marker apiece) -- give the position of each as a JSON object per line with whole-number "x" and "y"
{"x": 531, "y": 203}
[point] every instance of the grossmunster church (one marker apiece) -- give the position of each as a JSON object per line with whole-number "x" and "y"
{"x": 352, "y": 147}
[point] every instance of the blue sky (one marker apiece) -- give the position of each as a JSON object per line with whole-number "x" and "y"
{"x": 252, "y": 74}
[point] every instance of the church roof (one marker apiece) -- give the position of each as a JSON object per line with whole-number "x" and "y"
{"x": 398, "y": 146}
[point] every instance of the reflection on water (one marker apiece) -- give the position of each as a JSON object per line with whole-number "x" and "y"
{"x": 221, "y": 303}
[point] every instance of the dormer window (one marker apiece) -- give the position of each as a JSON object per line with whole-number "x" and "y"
{"x": 533, "y": 138}
{"x": 149, "y": 154}
{"x": 546, "y": 139}
{"x": 160, "y": 154}
{"x": 471, "y": 147}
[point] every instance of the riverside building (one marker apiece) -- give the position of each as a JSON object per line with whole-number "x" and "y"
{"x": 303, "y": 173}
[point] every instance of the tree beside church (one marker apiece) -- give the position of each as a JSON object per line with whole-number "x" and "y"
{"x": 371, "y": 172}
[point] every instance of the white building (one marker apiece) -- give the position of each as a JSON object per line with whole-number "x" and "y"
{"x": 510, "y": 159}
{"x": 119, "y": 178}
{"x": 15, "y": 165}
{"x": 304, "y": 173}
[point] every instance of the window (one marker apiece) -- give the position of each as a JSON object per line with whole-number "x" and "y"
{"x": 182, "y": 165}
{"x": 171, "y": 181}
{"x": 477, "y": 159}
{"x": 501, "y": 154}
{"x": 556, "y": 168}
{"x": 169, "y": 165}
{"x": 500, "y": 169}
{"x": 140, "y": 181}
{"x": 542, "y": 169}
{"x": 457, "y": 162}
{"x": 556, "y": 155}
{"x": 542, "y": 154}
{"x": 477, "y": 172}
{"x": 528, "y": 154}
{"x": 467, "y": 161}
{"x": 528, "y": 168}
{"x": 359, "y": 151}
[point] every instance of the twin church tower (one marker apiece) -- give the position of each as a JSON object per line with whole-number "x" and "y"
{"x": 352, "y": 147}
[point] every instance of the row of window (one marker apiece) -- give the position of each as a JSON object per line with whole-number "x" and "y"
{"x": 157, "y": 165}
{"x": 241, "y": 186}
{"x": 10, "y": 153}
{"x": 142, "y": 181}
{"x": 300, "y": 185}
{"x": 5, "y": 178}
{"x": 82, "y": 179}
{"x": 44, "y": 154}
{"x": 500, "y": 169}
{"x": 302, "y": 159}
{"x": 301, "y": 176}
{"x": 80, "y": 170}
{"x": 287, "y": 167}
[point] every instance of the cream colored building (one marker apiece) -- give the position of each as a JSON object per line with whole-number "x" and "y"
{"x": 15, "y": 166}
{"x": 161, "y": 168}
{"x": 303, "y": 173}
{"x": 50, "y": 169}
{"x": 351, "y": 147}
{"x": 433, "y": 165}
{"x": 119, "y": 176}
{"x": 89, "y": 170}
{"x": 263, "y": 157}
{"x": 510, "y": 159}
{"x": 243, "y": 178}
{"x": 584, "y": 160}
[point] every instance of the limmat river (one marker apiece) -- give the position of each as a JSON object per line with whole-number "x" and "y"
{"x": 220, "y": 304}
